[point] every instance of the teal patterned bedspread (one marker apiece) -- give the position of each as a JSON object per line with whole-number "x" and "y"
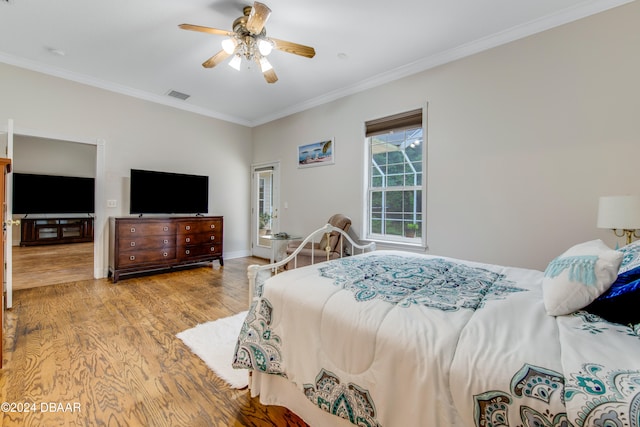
{"x": 432, "y": 282}
{"x": 469, "y": 344}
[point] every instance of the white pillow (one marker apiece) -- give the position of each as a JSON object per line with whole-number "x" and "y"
{"x": 579, "y": 276}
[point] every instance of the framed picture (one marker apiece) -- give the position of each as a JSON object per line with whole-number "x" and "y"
{"x": 316, "y": 154}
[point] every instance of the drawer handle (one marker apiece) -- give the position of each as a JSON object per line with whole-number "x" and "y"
{"x": 133, "y": 244}
{"x": 165, "y": 228}
{"x": 133, "y": 229}
{"x": 188, "y": 239}
{"x": 213, "y": 226}
{"x": 165, "y": 241}
{"x": 187, "y": 227}
{"x": 187, "y": 252}
{"x": 165, "y": 254}
{"x": 132, "y": 257}
{"x": 212, "y": 248}
{"x": 213, "y": 237}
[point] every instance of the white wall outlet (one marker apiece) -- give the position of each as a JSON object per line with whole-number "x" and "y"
{"x": 112, "y": 203}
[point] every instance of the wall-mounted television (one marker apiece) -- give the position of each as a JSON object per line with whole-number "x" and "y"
{"x": 52, "y": 194}
{"x": 155, "y": 192}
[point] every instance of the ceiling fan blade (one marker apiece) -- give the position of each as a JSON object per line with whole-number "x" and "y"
{"x": 295, "y": 48}
{"x": 258, "y": 17}
{"x": 270, "y": 76}
{"x": 216, "y": 59}
{"x": 205, "y": 29}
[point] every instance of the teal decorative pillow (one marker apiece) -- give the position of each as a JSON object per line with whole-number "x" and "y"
{"x": 630, "y": 256}
{"x": 579, "y": 276}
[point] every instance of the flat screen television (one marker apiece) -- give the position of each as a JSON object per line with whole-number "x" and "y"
{"x": 52, "y": 194}
{"x": 154, "y": 192}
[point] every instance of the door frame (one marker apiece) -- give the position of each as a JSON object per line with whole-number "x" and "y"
{"x": 7, "y": 285}
{"x": 100, "y": 219}
{"x": 275, "y": 219}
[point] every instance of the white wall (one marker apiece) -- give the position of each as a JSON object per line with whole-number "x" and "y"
{"x": 522, "y": 140}
{"x": 137, "y": 134}
{"x": 53, "y": 157}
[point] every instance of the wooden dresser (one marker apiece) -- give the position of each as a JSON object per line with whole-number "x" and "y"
{"x": 146, "y": 244}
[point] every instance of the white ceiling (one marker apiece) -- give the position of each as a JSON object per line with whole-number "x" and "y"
{"x": 135, "y": 46}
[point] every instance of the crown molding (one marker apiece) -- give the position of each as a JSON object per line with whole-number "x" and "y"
{"x": 121, "y": 89}
{"x": 562, "y": 17}
{"x": 503, "y": 37}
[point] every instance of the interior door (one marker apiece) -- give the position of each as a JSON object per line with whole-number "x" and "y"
{"x": 264, "y": 207}
{"x": 7, "y": 142}
{"x": 5, "y": 165}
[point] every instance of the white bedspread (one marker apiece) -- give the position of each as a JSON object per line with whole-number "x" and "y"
{"x": 601, "y": 363}
{"x": 415, "y": 340}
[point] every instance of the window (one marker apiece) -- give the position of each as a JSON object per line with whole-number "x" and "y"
{"x": 265, "y": 202}
{"x": 395, "y": 179}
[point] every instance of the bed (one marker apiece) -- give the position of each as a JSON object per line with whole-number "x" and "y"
{"x": 392, "y": 338}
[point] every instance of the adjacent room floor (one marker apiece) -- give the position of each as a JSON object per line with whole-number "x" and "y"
{"x": 44, "y": 265}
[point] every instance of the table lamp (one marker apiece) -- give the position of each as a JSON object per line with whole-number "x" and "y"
{"x": 620, "y": 214}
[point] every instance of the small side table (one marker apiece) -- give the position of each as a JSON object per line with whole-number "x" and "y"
{"x": 275, "y": 239}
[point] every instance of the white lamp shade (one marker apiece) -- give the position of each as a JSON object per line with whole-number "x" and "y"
{"x": 229, "y": 45}
{"x": 265, "y": 65}
{"x": 235, "y": 62}
{"x": 619, "y": 212}
{"x": 265, "y": 47}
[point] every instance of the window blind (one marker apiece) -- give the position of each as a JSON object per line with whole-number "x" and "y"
{"x": 401, "y": 121}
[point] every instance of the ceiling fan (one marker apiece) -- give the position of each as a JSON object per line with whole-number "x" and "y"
{"x": 249, "y": 39}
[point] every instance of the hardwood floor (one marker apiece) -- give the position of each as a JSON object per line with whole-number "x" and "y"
{"x": 45, "y": 265}
{"x": 108, "y": 354}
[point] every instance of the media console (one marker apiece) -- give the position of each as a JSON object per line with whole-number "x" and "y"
{"x": 147, "y": 244}
{"x": 54, "y": 231}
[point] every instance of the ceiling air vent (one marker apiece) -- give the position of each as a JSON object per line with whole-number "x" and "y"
{"x": 179, "y": 95}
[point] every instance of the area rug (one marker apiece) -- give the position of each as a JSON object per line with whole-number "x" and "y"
{"x": 214, "y": 342}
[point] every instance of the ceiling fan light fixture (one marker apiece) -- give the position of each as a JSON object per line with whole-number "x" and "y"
{"x": 265, "y": 65}
{"x": 229, "y": 45}
{"x": 265, "y": 47}
{"x": 248, "y": 39}
{"x": 235, "y": 62}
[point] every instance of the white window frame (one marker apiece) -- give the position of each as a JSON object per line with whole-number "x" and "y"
{"x": 392, "y": 239}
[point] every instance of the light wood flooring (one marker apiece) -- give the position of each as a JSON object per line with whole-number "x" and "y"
{"x": 108, "y": 353}
{"x": 45, "y": 265}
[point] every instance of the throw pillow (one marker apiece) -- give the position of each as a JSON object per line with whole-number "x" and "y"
{"x": 579, "y": 276}
{"x": 631, "y": 256}
{"x": 620, "y": 303}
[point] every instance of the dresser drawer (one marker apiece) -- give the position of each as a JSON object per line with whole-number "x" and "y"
{"x": 187, "y": 252}
{"x": 147, "y": 257}
{"x": 146, "y": 229}
{"x": 199, "y": 226}
{"x": 134, "y": 242}
{"x": 198, "y": 239}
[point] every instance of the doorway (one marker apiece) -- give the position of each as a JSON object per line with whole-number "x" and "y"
{"x": 265, "y": 181}
{"x": 49, "y": 264}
